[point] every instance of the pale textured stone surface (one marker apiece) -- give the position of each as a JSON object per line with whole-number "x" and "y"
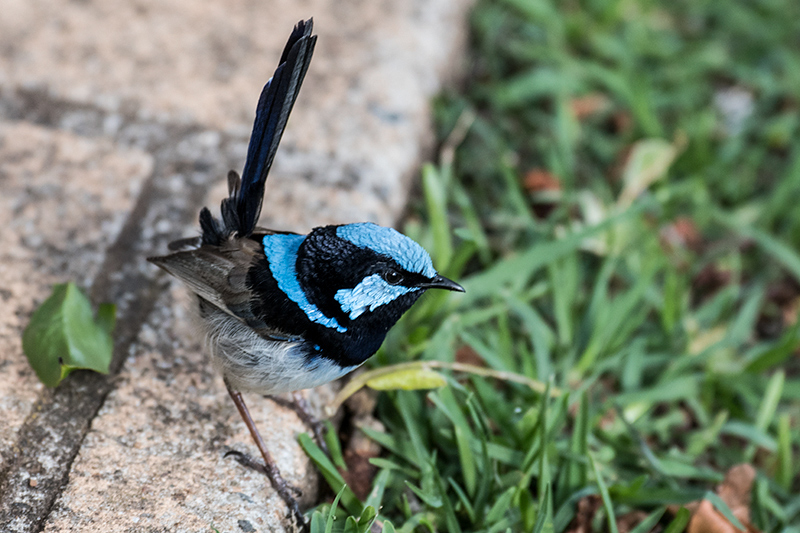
{"x": 122, "y": 90}
{"x": 358, "y": 123}
{"x": 64, "y": 199}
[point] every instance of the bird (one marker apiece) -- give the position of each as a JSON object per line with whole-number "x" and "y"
{"x": 283, "y": 311}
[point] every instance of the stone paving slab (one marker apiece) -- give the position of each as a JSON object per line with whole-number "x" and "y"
{"x": 64, "y": 200}
{"x": 118, "y": 121}
{"x": 361, "y": 117}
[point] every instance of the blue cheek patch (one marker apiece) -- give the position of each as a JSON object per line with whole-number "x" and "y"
{"x": 387, "y": 241}
{"x": 281, "y": 252}
{"x": 368, "y": 295}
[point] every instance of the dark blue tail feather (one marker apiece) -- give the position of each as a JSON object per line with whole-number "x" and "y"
{"x": 273, "y": 110}
{"x": 240, "y": 211}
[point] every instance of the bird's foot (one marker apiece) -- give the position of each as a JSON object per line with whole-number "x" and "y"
{"x": 273, "y": 475}
{"x": 299, "y": 405}
{"x": 285, "y": 490}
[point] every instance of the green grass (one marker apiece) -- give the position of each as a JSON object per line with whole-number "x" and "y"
{"x": 665, "y": 357}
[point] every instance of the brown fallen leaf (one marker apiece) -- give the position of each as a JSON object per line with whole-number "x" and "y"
{"x": 546, "y": 187}
{"x": 538, "y": 179}
{"x": 467, "y": 355}
{"x": 735, "y": 490}
{"x": 588, "y": 105}
{"x": 707, "y": 520}
{"x": 682, "y": 233}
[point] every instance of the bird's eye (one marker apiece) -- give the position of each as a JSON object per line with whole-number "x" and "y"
{"x": 392, "y": 277}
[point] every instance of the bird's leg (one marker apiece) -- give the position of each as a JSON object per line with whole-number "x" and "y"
{"x": 299, "y": 405}
{"x": 271, "y": 467}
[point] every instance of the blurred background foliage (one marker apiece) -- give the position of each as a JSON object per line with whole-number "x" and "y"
{"x": 616, "y": 188}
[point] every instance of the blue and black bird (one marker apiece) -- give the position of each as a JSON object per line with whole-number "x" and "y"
{"x": 281, "y": 311}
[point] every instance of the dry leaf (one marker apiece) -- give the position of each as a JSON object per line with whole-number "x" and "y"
{"x": 538, "y": 179}
{"x": 360, "y": 449}
{"x": 735, "y": 491}
{"x": 648, "y": 161}
{"x": 618, "y": 167}
{"x": 707, "y": 520}
{"x": 588, "y": 105}
{"x": 547, "y": 187}
{"x": 468, "y": 356}
{"x": 682, "y": 233}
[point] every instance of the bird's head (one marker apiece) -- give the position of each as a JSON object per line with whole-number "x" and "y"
{"x": 365, "y": 275}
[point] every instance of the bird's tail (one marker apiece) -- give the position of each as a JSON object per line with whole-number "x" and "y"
{"x": 240, "y": 211}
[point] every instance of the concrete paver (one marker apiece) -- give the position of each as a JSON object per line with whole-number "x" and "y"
{"x": 64, "y": 200}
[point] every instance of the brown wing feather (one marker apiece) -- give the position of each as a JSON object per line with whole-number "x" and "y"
{"x": 218, "y": 274}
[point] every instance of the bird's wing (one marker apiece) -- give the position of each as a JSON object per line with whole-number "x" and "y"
{"x": 214, "y": 276}
{"x": 218, "y": 274}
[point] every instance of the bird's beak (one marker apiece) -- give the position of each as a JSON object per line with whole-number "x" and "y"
{"x": 441, "y": 282}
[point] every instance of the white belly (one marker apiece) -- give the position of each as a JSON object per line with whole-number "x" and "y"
{"x": 252, "y": 364}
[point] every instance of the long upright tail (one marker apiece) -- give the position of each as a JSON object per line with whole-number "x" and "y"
{"x": 240, "y": 211}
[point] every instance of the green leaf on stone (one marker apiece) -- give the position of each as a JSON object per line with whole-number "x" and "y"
{"x": 408, "y": 379}
{"x": 63, "y": 335}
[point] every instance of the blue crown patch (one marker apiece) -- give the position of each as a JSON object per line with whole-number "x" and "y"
{"x": 387, "y": 241}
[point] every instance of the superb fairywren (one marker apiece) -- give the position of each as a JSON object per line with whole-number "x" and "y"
{"x": 282, "y": 311}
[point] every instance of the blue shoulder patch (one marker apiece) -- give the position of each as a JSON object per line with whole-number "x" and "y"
{"x": 387, "y": 241}
{"x": 281, "y": 252}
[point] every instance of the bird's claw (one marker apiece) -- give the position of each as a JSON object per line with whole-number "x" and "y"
{"x": 278, "y": 483}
